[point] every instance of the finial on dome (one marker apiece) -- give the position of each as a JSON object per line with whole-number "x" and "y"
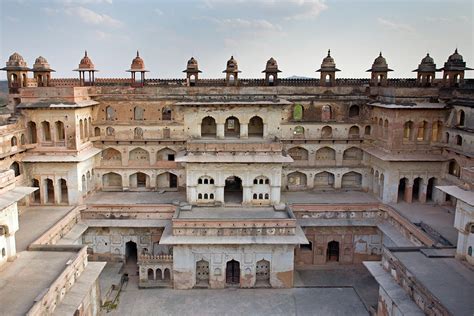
{"x": 380, "y": 54}
{"x": 138, "y": 54}
{"x": 85, "y": 53}
{"x": 329, "y": 52}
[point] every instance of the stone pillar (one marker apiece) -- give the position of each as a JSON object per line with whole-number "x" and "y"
{"x": 275, "y": 194}
{"x": 409, "y": 191}
{"x": 219, "y": 194}
{"x": 339, "y": 156}
{"x": 43, "y": 190}
{"x": 125, "y": 182}
{"x": 198, "y": 131}
{"x": 244, "y": 130}
{"x": 152, "y": 158}
{"x": 265, "y": 130}
{"x": 337, "y": 181}
{"x": 11, "y": 246}
{"x": 153, "y": 181}
{"x": 247, "y": 194}
{"x": 57, "y": 192}
{"x": 125, "y": 156}
{"x": 191, "y": 194}
{"x": 422, "y": 192}
{"x": 220, "y": 130}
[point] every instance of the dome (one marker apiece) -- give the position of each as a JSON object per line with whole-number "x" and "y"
{"x": 41, "y": 64}
{"x": 16, "y": 61}
{"x": 192, "y": 65}
{"x": 427, "y": 65}
{"x": 232, "y": 65}
{"x": 455, "y": 63}
{"x": 272, "y": 66}
{"x": 456, "y": 57}
{"x": 137, "y": 63}
{"x": 328, "y": 63}
{"x": 380, "y": 64}
{"x": 86, "y": 63}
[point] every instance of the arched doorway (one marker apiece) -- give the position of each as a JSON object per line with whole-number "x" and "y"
{"x": 131, "y": 252}
{"x": 232, "y": 272}
{"x": 417, "y": 188}
{"x": 255, "y": 128}
{"x": 36, "y": 198}
{"x": 202, "y": 273}
{"x": 263, "y": 273}
{"x": 49, "y": 191}
{"x": 233, "y": 192}
{"x": 401, "y": 189}
{"x": 208, "y": 127}
{"x": 64, "y": 194}
{"x": 332, "y": 253}
{"x": 167, "y": 180}
{"x": 232, "y": 127}
{"x": 429, "y": 189}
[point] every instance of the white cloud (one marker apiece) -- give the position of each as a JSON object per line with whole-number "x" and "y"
{"x": 244, "y": 24}
{"x": 289, "y": 9}
{"x": 12, "y": 19}
{"x": 90, "y": 17}
{"x": 158, "y": 11}
{"x": 394, "y": 26}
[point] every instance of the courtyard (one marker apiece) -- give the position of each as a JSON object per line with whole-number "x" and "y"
{"x": 329, "y": 290}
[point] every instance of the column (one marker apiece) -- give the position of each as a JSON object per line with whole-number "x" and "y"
{"x": 57, "y": 192}
{"x": 422, "y": 193}
{"x": 337, "y": 181}
{"x": 219, "y": 194}
{"x": 339, "y": 156}
{"x": 409, "y": 191}
{"x": 244, "y": 130}
{"x": 10, "y": 246}
{"x": 265, "y": 130}
{"x": 125, "y": 182}
{"x": 247, "y": 194}
{"x": 43, "y": 190}
{"x": 153, "y": 180}
{"x": 275, "y": 194}
{"x": 220, "y": 130}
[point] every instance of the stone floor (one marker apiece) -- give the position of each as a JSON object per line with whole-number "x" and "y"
{"x": 34, "y": 221}
{"x": 440, "y": 218}
{"x": 333, "y": 290}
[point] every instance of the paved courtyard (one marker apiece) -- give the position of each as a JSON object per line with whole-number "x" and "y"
{"x": 337, "y": 290}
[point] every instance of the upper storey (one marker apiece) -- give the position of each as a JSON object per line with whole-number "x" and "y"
{"x": 17, "y": 73}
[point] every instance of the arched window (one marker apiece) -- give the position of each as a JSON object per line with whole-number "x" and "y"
{"x": 380, "y": 128}
{"x": 255, "y": 127}
{"x": 31, "y": 128}
{"x": 421, "y": 136}
{"x": 138, "y": 133}
{"x": 408, "y": 131}
{"x": 60, "y": 134}
{"x": 354, "y": 111}
{"x": 14, "y": 141}
{"x": 22, "y": 139}
{"x": 200, "y": 196}
{"x": 459, "y": 140}
{"x": 447, "y": 137}
{"x": 110, "y": 131}
{"x": 97, "y": 131}
{"x": 454, "y": 169}
{"x": 298, "y": 112}
{"x": 16, "y": 168}
{"x": 138, "y": 113}
{"x": 206, "y": 196}
{"x": 255, "y": 196}
{"x": 326, "y": 153}
{"x": 208, "y": 127}
{"x": 46, "y": 129}
{"x": 367, "y": 130}
{"x": 298, "y": 153}
{"x": 267, "y": 196}
{"x": 326, "y": 132}
{"x": 461, "y": 118}
{"x": 436, "y": 131}
{"x": 385, "y": 129}
{"x": 326, "y": 113}
{"x": 211, "y": 196}
{"x": 81, "y": 129}
{"x": 298, "y": 132}
{"x": 166, "y": 114}
{"x": 109, "y": 113}
{"x": 199, "y": 181}
{"x": 354, "y": 132}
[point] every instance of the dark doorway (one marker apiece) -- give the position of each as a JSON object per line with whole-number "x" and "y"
{"x": 332, "y": 254}
{"x": 429, "y": 189}
{"x": 232, "y": 127}
{"x": 141, "y": 180}
{"x": 36, "y": 194}
{"x": 232, "y": 272}
{"x": 131, "y": 252}
{"x": 173, "y": 181}
{"x": 416, "y": 189}
{"x": 233, "y": 190}
{"x": 208, "y": 127}
{"x": 401, "y": 189}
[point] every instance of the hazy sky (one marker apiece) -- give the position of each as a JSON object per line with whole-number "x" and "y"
{"x": 297, "y": 33}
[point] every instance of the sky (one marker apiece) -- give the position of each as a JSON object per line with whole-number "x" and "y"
{"x": 297, "y": 33}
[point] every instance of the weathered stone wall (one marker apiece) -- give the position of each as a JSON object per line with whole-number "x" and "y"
{"x": 217, "y": 256}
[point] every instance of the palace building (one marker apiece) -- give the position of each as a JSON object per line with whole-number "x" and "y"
{"x": 233, "y": 182}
